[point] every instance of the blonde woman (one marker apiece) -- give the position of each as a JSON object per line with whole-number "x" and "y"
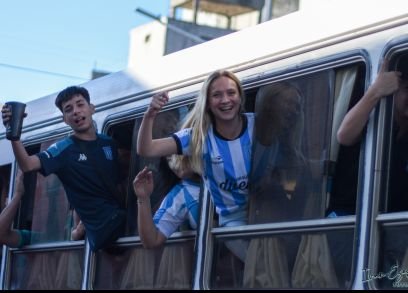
{"x": 218, "y": 137}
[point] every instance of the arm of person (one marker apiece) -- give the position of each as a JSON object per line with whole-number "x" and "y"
{"x": 9, "y": 236}
{"x": 26, "y": 162}
{"x": 354, "y": 122}
{"x": 143, "y": 187}
{"x": 78, "y": 232}
{"x": 146, "y": 145}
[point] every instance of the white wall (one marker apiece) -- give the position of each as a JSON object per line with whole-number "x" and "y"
{"x": 147, "y": 43}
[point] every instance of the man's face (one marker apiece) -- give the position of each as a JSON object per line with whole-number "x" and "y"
{"x": 77, "y": 113}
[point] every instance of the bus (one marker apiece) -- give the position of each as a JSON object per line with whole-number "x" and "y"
{"x": 340, "y": 228}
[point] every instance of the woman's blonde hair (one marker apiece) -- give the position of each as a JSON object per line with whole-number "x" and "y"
{"x": 179, "y": 162}
{"x": 200, "y": 118}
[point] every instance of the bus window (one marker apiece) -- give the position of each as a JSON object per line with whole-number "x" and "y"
{"x": 127, "y": 268}
{"x": 5, "y": 174}
{"x": 52, "y": 214}
{"x": 393, "y": 239}
{"x": 134, "y": 267}
{"x": 50, "y": 270}
{"x": 295, "y": 149}
{"x": 342, "y": 168}
{"x": 122, "y": 135}
{"x": 290, "y": 181}
{"x": 45, "y": 209}
{"x": 397, "y": 199}
{"x": 165, "y": 124}
{"x": 290, "y": 146}
{"x": 137, "y": 268}
{"x": 46, "y": 213}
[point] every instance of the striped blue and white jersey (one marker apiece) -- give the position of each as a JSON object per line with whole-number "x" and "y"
{"x": 227, "y": 165}
{"x": 179, "y": 205}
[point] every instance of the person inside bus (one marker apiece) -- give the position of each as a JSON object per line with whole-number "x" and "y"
{"x": 387, "y": 83}
{"x": 87, "y": 165}
{"x": 218, "y": 137}
{"x": 17, "y": 238}
{"x": 179, "y": 205}
{"x": 353, "y": 124}
{"x": 178, "y": 210}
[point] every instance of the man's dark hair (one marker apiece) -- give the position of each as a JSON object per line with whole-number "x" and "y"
{"x": 68, "y": 93}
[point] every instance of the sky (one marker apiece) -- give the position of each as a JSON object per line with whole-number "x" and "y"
{"x": 47, "y": 45}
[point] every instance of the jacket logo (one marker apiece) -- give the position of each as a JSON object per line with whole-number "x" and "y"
{"x": 108, "y": 152}
{"x": 82, "y": 157}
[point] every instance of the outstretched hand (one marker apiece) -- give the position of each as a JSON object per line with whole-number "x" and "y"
{"x": 143, "y": 183}
{"x": 6, "y": 114}
{"x": 387, "y": 82}
{"x": 157, "y": 103}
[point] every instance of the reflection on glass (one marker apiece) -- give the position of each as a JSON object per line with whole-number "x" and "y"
{"x": 280, "y": 178}
{"x": 289, "y": 148}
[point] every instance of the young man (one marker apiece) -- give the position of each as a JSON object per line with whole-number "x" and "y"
{"x": 354, "y": 123}
{"x": 393, "y": 247}
{"x": 87, "y": 165}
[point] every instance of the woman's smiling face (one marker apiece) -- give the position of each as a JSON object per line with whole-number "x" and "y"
{"x": 224, "y": 100}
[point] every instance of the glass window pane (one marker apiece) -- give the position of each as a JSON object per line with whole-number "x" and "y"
{"x": 165, "y": 124}
{"x": 392, "y": 270}
{"x": 56, "y": 270}
{"x": 45, "y": 209}
{"x": 290, "y": 148}
{"x": 5, "y": 173}
{"x": 169, "y": 267}
{"x": 395, "y": 142}
{"x": 393, "y": 260}
{"x": 304, "y": 261}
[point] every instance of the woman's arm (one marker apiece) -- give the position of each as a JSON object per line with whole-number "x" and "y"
{"x": 146, "y": 145}
{"x": 143, "y": 186}
{"x": 26, "y": 162}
